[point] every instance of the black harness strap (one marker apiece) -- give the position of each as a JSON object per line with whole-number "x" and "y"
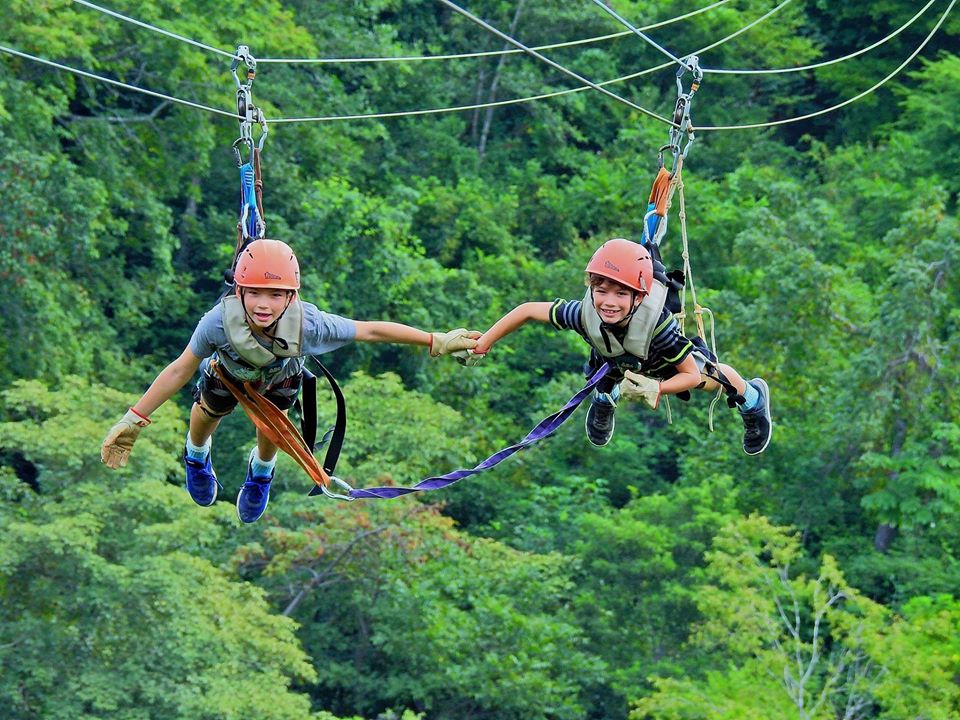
{"x": 336, "y": 434}
{"x": 734, "y": 398}
{"x": 307, "y": 407}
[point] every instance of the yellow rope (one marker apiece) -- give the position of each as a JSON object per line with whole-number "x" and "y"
{"x": 676, "y": 185}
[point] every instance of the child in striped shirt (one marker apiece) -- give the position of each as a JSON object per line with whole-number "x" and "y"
{"x": 624, "y": 318}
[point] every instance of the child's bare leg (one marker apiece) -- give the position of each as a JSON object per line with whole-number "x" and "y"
{"x": 201, "y": 425}
{"x": 730, "y": 374}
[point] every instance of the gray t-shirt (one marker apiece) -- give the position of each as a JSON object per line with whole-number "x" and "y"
{"x": 322, "y": 333}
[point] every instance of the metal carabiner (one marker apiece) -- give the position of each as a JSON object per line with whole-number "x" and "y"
{"x": 236, "y": 150}
{"x": 261, "y": 120}
{"x": 243, "y": 54}
{"x": 337, "y": 496}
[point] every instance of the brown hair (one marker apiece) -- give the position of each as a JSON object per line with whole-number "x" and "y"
{"x": 592, "y": 280}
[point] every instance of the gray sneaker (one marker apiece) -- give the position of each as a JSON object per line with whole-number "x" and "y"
{"x": 757, "y": 426}
{"x": 600, "y": 422}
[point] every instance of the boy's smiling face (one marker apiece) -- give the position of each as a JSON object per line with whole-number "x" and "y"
{"x": 613, "y": 301}
{"x": 264, "y": 306}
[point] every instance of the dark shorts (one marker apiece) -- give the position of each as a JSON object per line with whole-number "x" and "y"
{"x": 214, "y": 397}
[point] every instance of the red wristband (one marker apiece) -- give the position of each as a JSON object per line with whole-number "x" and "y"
{"x": 142, "y": 417}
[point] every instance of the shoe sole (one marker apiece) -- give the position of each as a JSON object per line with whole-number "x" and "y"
{"x": 586, "y": 428}
{"x": 766, "y": 406}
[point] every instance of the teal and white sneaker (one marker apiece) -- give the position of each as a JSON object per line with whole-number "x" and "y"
{"x": 757, "y": 425}
{"x": 600, "y": 422}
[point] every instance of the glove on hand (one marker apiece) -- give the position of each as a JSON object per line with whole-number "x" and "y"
{"x": 119, "y": 441}
{"x": 468, "y": 358}
{"x": 448, "y": 342}
{"x": 639, "y": 387}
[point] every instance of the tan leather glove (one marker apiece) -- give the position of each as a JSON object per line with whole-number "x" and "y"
{"x": 639, "y": 387}
{"x": 468, "y": 358}
{"x": 448, "y": 342}
{"x": 118, "y": 443}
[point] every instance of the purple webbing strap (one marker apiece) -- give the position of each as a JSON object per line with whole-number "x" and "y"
{"x": 545, "y": 428}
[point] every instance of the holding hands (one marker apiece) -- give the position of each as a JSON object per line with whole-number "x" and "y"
{"x": 459, "y": 340}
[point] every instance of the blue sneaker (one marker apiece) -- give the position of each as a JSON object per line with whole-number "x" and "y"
{"x": 201, "y": 481}
{"x": 253, "y": 496}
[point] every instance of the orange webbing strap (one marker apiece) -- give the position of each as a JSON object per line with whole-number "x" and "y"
{"x": 271, "y": 421}
{"x": 659, "y": 193}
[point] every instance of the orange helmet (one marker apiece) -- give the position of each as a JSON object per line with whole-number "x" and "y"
{"x": 625, "y": 262}
{"x": 268, "y": 264}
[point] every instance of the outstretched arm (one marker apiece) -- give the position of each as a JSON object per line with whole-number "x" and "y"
{"x": 378, "y": 331}
{"x": 173, "y": 377}
{"x": 538, "y": 311}
{"x": 119, "y": 441}
{"x": 439, "y": 343}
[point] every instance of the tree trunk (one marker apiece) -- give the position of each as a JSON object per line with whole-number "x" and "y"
{"x": 886, "y": 533}
{"x": 884, "y": 537}
{"x": 492, "y": 95}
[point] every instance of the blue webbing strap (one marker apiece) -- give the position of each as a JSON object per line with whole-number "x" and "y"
{"x": 545, "y": 428}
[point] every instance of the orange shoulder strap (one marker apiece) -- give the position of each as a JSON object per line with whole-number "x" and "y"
{"x": 271, "y": 421}
{"x": 659, "y": 193}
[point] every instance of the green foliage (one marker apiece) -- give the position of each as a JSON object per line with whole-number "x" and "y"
{"x": 138, "y": 624}
{"x": 781, "y": 643}
{"x": 396, "y": 621}
{"x": 571, "y": 580}
{"x": 57, "y": 432}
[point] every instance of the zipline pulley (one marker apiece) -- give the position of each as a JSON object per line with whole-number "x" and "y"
{"x": 248, "y": 113}
{"x": 681, "y": 126}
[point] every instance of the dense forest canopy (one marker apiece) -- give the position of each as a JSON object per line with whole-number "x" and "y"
{"x": 666, "y": 576}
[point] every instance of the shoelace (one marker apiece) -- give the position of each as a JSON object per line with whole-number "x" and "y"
{"x": 256, "y": 488}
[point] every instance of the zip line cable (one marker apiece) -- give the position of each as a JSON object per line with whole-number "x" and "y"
{"x": 866, "y": 92}
{"x": 435, "y": 111}
{"x": 501, "y": 103}
{"x": 413, "y": 58}
{"x": 637, "y": 31}
{"x": 408, "y": 113}
{"x": 544, "y": 96}
{"x": 492, "y": 53}
{"x": 156, "y": 29}
{"x": 825, "y": 63}
{"x": 557, "y": 66}
{"x": 111, "y": 81}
